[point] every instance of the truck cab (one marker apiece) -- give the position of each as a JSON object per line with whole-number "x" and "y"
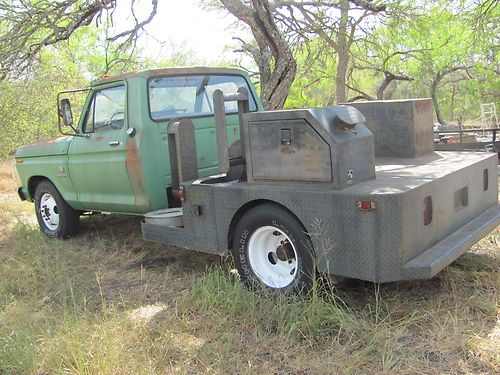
{"x": 116, "y": 159}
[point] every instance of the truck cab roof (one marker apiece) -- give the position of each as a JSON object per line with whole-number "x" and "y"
{"x": 171, "y": 72}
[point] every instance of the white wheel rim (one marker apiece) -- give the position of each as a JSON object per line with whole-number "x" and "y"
{"x": 272, "y": 256}
{"x": 49, "y": 212}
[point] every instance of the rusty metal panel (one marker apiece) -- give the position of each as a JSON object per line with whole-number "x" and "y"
{"x": 346, "y": 241}
{"x": 433, "y": 260}
{"x": 402, "y": 128}
{"x": 289, "y": 150}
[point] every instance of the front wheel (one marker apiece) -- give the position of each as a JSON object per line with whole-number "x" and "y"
{"x": 55, "y": 216}
{"x": 272, "y": 249}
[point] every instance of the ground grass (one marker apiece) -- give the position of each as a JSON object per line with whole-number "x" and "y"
{"x": 9, "y": 180}
{"x": 107, "y": 302}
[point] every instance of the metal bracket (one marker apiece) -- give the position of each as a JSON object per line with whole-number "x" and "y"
{"x": 221, "y": 126}
{"x": 182, "y": 151}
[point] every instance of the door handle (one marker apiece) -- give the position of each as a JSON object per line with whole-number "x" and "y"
{"x": 114, "y": 143}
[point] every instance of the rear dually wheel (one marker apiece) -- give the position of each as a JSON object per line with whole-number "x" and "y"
{"x": 273, "y": 251}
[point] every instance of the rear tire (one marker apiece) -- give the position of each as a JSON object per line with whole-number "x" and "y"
{"x": 273, "y": 251}
{"x": 55, "y": 216}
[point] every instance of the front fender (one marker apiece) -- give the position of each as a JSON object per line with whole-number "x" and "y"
{"x": 52, "y": 168}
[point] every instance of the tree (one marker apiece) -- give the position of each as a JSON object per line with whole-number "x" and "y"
{"x": 445, "y": 42}
{"x": 438, "y": 53}
{"x": 272, "y": 53}
{"x": 384, "y": 54}
{"x": 387, "y": 63}
{"x": 27, "y": 108}
{"x": 336, "y": 22}
{"x": 275, "y": 25}
{"x": 29, "y": 26}
{"x": 313, "y": 85}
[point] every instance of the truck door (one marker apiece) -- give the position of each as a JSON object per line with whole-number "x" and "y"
{"x": 97, "y": 162}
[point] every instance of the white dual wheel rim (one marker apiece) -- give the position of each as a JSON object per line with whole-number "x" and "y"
{"x": 49, "y": 212}
{"x": 272, "y": 256}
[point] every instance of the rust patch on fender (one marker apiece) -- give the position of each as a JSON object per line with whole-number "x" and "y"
{"x": 99, "y": 138}
{"x": 136, "y": 176}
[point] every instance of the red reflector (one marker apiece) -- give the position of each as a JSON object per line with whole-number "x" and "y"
{"x": 179, "y": 193}
{"x": 366, "y": 205}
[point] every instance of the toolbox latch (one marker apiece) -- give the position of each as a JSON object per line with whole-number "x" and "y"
{"x": 286, "y": 137}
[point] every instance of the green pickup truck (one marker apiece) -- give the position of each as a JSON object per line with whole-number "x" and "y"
{"x": 354, "y": 190}
{"x": 115, "y": 158}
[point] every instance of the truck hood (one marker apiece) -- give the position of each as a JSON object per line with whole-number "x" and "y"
{"x": 55, "y": 146}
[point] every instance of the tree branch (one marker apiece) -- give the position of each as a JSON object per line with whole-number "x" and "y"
{"x": 27, "y": 27}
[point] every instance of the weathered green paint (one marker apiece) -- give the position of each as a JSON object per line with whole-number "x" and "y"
{"x": 132, "y": 176}
{"x": 56, "y": 146}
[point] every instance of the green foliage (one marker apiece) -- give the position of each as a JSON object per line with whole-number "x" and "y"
{"x": 449, "y": 40}
{"x": 28, "y": 107}
{"x": 419, "y": 42}
{"x": 314, "y": 84}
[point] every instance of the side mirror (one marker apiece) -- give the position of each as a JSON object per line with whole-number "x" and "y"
{"x": 66, "y": 113}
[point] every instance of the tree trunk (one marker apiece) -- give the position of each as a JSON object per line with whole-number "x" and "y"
{"x": 275, "y": 90}
{"x": 390, "y": 80}
{"x": 434, "y": 85}
{"x": 383, "y": 85}
{"x": 274, "y": 58}
{"x": 433, "y": 91}
{"x": 391, "y": 89}
{"x": 342, "y": 53}
{"x": 452, "y": 104}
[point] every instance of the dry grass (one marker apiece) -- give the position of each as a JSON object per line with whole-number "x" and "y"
{"x": 106, "y": 302}
{"x": 9, "y": 180}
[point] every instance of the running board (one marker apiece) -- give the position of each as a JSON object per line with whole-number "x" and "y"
{"x": 433, "y": 260}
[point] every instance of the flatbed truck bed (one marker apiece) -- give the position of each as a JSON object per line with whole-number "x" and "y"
{"x": 390, "y": 242}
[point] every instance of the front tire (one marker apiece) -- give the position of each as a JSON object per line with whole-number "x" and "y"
{"x": 273, "y": 251}
{"x": 55, "y": 216}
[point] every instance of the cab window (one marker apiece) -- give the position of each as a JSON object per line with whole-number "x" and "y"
{"x": 106, "y": 111}
{"x": 191, "y": 96}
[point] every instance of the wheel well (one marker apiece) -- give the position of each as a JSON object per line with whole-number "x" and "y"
{"x": 33, "y": 183}
{"x": 247, "y": 207}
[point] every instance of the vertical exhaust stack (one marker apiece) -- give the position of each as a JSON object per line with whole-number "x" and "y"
{"x": 221, "y": 126}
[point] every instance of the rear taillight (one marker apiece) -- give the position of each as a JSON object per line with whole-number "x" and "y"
{"x": 366, "y": 205}
{"x": 179, "y": 193}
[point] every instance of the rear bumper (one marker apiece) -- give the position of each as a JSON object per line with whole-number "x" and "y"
{"x": 433, "y": 260}
{"x": 21, "y": 193}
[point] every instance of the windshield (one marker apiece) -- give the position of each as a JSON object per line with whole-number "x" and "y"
{"x": 192, "y": 95}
